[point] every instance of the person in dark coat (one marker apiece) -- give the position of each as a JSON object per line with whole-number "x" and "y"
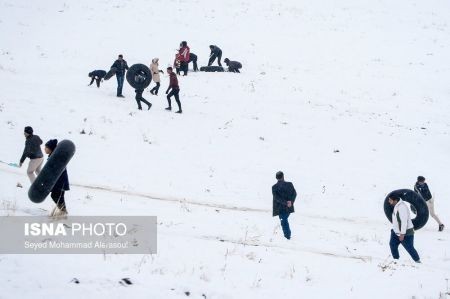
{"x": 121, "y": 66}
{"x": 61, "y": 186}
{"x": 216, "y": 52}
{"x": 140, "y": 77}
{"x": 32, "y": 151}
{"x": 233, "y": 66}
{"x": 284, "y": 195}
{"x": 422, "y": 188}
{"x": 174, "y": 90}
{"x": 193, "y": 59}
{"x": 97, "y": 76}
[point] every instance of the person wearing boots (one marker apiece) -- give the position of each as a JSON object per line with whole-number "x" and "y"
{"x": 97, "y": 76}
{"x": 216, "y": 52}
{"x": 284, "y": 196}
{"x": 61, "y": 186}
{"x": 184, "y": 54}
{"x": 154, "y": 68}
{"x": 32, "y": 151}
{"x": 140, "y": 77}
{"x": 174, "y": 90}
{"x": 121, "y": 66}
{"x": 422, "y": 188}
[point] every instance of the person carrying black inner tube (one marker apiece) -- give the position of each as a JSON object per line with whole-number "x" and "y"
{"x": 174, "y": 90}
{"x": 97, "y": 76}
{"x": 216, "y": 52}
{"x": 139, "y": 78}
{"x": 61, "y": 186}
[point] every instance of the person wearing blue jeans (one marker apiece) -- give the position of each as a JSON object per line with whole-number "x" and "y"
{"x": 402, "y": 231}
{"x": 284, "y": 195}
{"x": 121, "y": 66}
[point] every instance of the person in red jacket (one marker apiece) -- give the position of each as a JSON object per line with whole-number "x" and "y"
{"x": 184, "y": 54}
{"x": 175, "y": 90}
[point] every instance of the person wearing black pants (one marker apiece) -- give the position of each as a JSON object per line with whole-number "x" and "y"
{"x": 121, "y": 66}
{"x": 97, "y": 76}
{"x": 284, "y": 196}
{"x": 216, "y": 52}
{"x": 140, "y": 98}
{"x": 174, "y": 90}
{"x": 193, "y": 59}
{"x": 61, "y": 186}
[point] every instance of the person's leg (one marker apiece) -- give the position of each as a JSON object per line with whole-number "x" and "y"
{"x": 39, "y": 167}
{"x": 430, "y": 204}
{"x": 219, "y": 58}
{"x": 285, "y": 225}
{"x": 58, "y": 198}
{"x": 98, "y": 82}
{"x": 157, "y": 87}
{"x": 211, "y": 59}
{"x": 185, "y": 67}
{"x": 177, "y": 99}
{"x": 33, "y": 166}
{"x": 169, "y": 101}
{"x": 119, "y": 85}
{"x": 394, "y": 243}
{"x": 194, "y": 62}
{"x": 92, "y": 80}
{"x": 408, "y": 244}
{"x": 146, "y": 102}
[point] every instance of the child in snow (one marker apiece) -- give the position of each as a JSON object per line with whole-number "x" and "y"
{"x": 97, "y": 76}
{"x": 184, "y": 56}
{"x": 154, "y": 68}
{"x": 177, "y": 63}
{"x": 216, "y": 52}
{"x": 233, "y": 66}
{"x": 61, "y": 186}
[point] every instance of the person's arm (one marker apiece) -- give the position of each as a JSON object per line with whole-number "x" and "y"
{"x": 402, "y": 218}
{"x": 277, "y": 198}
{"x": 92, "y": 80}
{"x": 25, "y": 153}
{"x": 294, "y": 193}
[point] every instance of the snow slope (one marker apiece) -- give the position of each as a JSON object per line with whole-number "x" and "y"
{"x": 348, "y": 98}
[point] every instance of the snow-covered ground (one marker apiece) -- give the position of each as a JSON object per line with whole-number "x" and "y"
{"x": 348, "y": 98}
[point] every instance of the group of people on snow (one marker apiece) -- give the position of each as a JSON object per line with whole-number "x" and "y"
{"x": 33, "y": 151}
{"x": 402, "y": 231}
{"x": 183, "y": 57}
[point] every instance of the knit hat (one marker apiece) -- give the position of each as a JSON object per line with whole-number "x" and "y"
{"x": 28, "y": 130}
{"x": 420, "y": 178}
{"x": 51, "y": 144}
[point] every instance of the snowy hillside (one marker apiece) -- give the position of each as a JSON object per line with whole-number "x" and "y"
{"x": 348, "y": 98}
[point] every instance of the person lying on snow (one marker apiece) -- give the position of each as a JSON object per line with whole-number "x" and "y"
{"x": 233, "y": 66}
{"x": 97, "y": 76}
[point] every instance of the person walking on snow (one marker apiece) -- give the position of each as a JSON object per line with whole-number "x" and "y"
{"x": 154, "y": 68}
{"x": 174, "y": 90}
{"x": 140, "y": 78}
{"x": 284, "y": 195}
{"x": 402, "y": 231}
{"x": 422, "y": 188}
{"x": 33, "y": 151}
{"x": 216, "y": 52}
{"x": 97, "y": 76}
{"x": 233, "y": 66}
{"x": 184, "y": 54}
{"x": 121, "y": 66}
{"x": 61, "y": 186}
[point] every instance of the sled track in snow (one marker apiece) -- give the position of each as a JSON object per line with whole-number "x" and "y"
{"x": 198, "y": 203}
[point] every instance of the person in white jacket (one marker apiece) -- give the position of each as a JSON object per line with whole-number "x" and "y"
{"x": 402, "y": 229}
{"x": 154, "y": 67}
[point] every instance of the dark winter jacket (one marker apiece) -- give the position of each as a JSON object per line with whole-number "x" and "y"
{"x": 98, "y": 73}
{"x": 423, "y": 190}
{"x": 234, "y": 66}
{"x": 282, "y": 193}
{"x": 215, "y": 50}
{"x": 121, "y": 66}
{"x": 32, "y": 148}
{"x": 173, "y": 81}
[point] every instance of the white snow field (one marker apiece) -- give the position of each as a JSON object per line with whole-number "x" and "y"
{"x": 349, "y": 98}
